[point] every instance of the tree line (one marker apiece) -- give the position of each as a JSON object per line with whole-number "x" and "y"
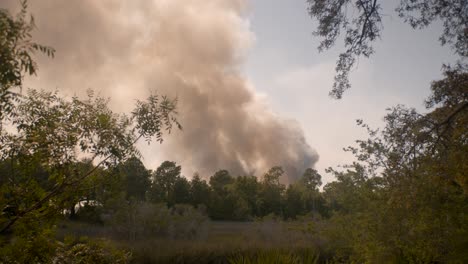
{"x": 225, "y": 197}
{"x": 222, "y": 197}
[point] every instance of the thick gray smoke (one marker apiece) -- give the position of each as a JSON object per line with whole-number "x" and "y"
{"x": 192, "y": 49}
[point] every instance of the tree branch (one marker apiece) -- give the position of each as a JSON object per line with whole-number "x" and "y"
{"x": 368, "y": 15}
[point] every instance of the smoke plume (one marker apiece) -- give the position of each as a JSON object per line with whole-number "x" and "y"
{"x": 192, "y": 49}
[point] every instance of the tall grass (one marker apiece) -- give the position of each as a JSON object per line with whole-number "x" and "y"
{"x": 221, "y": 243}
{"x": 276, "y": 257}
{"x": 232, "y": 256}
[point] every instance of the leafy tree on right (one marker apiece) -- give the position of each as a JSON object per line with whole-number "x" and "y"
{"x": 405, "y": 197}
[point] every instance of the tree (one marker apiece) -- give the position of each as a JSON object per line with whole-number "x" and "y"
{"x": 239, "y": 207}
{"x": 293, "y": 203}
{"x": 361, "y": 22}
{"x": 55, "y": 132}
{"x": 309, "y": 183}
{"x": 272, "y": 177}
{"x": 17, "y": 50}
{"x": 199, "y": 191}
{"x": 247, "y": 188}
{"x": 86, "y": 191}
{"x": 136, "y": 178}
{"x": 222, "y": 204}
{"x": 449, "y": 101}
{"x": 303, "y": 197}
{"x": 163, "y": 181}
{"x": 46, "y": 139}
{"x": 311, "y": 179}
{"x": 271, "y": 192}
{"x": 181, "y": 192}
{"x": 220, "y": 180}
{"x": 408, "y": 187}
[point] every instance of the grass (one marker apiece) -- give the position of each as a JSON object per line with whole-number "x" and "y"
{"x": 223, "y": 242}
{"x": 277, "y": 257}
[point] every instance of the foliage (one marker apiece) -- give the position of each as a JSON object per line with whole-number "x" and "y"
{"x": 136, "y": 180}
{"x": 271, "y": 192}
{"x": 86, "y": 251}
{"x": 35, "y": 244}
{"x": 163, "y": 181}
{"x": 361, "y": 22}
{"x": 53, "y": 133}
{"x": 44, "y": 248}
{"x": 16, "y": 55}
{"x": 181, "y": 194}
{"x": 402, "y": 200}
{"x": 199, "y": 191}
{"x": 226, "y": 197}
{"x": 238, "y": 198}
{"x": 54, "y": 151}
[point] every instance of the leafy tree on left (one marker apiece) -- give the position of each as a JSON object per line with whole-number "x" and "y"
{"x": 43, "y": 137}
{"x": 54, "y": 133}
{"x": 16, "y": 55}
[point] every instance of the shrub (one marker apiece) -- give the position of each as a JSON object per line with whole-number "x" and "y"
{"x": 85, "y": 251}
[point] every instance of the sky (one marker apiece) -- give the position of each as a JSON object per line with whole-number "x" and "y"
{"x": 252, "y": 87}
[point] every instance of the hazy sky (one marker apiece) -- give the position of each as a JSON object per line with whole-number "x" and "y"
{"x": 285, "y": 66}
{"x": 253, "y": 88}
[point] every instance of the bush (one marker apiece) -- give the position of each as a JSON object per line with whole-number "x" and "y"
{"x": 44, "y": 248}
{"x": 38, "y": 248}
{"x": 86, "y": 251}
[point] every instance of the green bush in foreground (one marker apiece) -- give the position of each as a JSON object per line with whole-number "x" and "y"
{"x": 84, "y": 251}
{"x": 44, "y": 249}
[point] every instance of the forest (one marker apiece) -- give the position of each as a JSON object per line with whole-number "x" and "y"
{"x": 74, "y": 188}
